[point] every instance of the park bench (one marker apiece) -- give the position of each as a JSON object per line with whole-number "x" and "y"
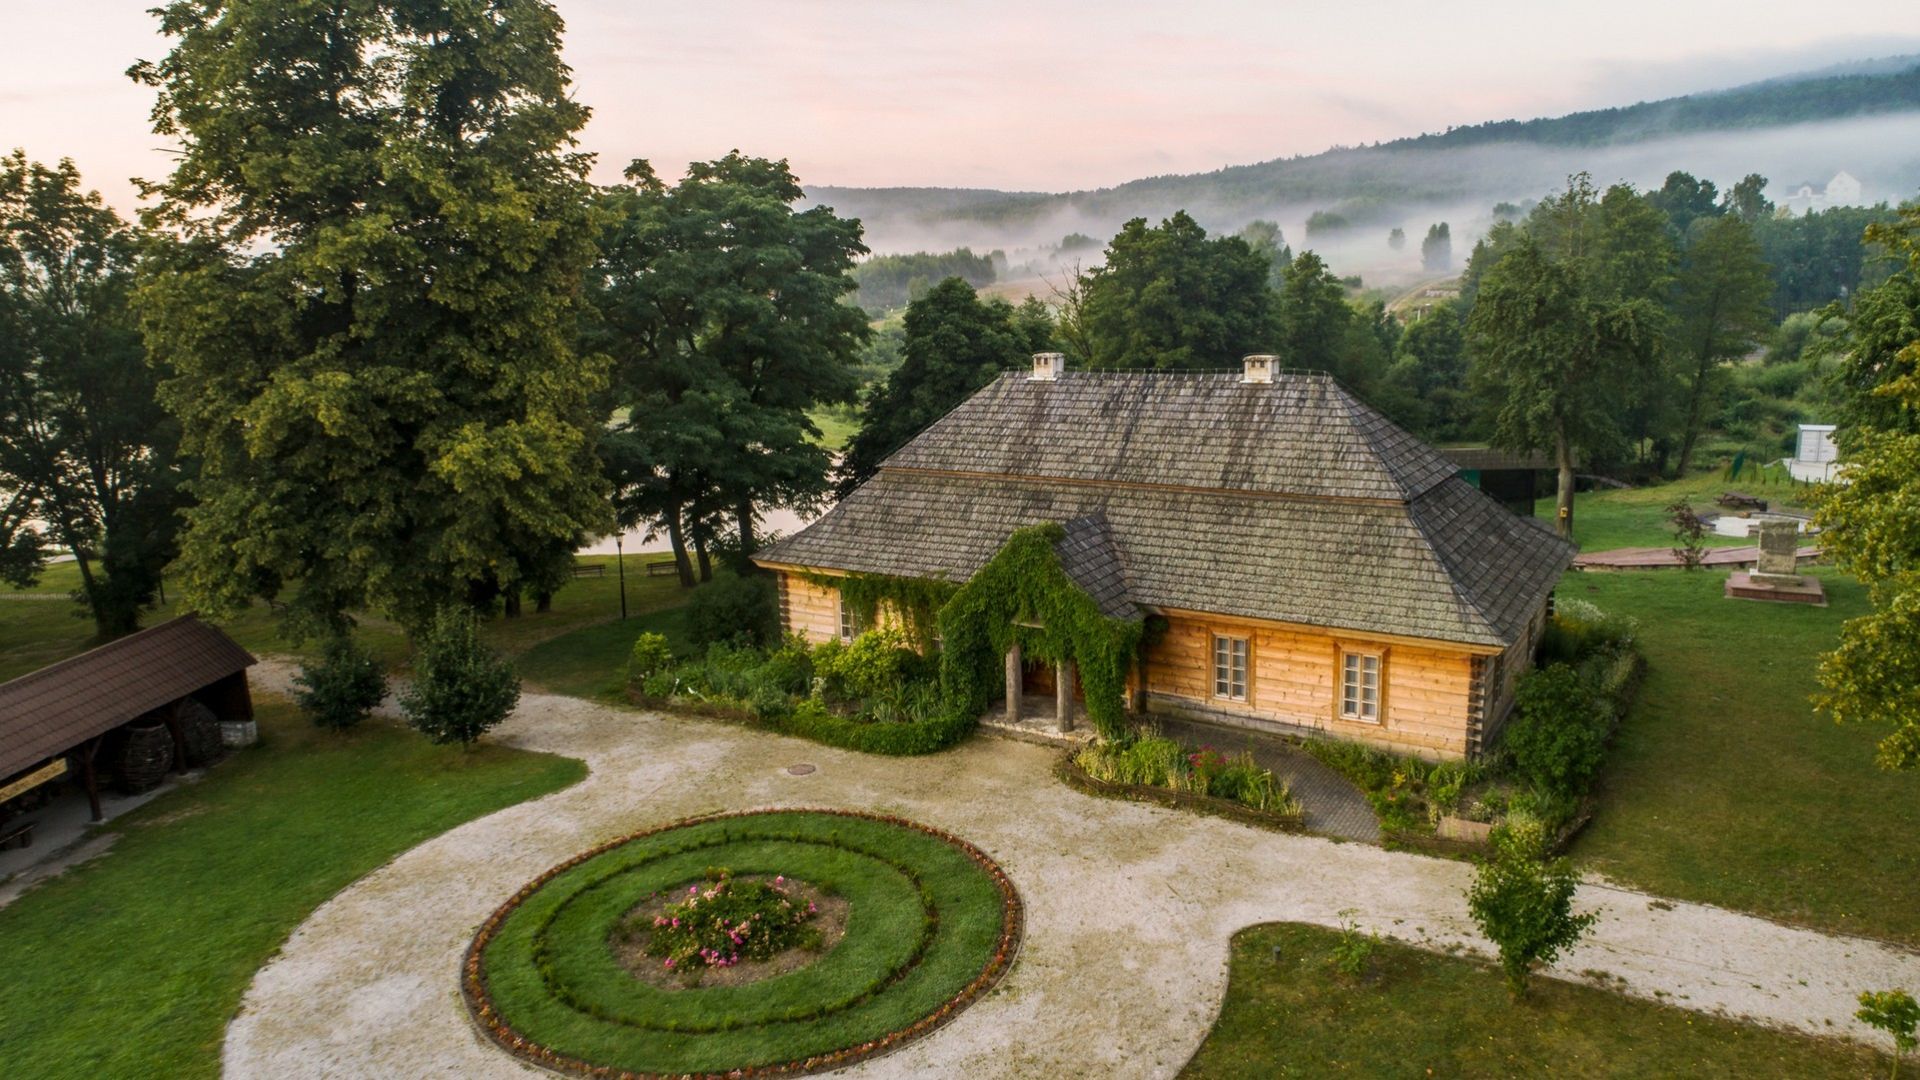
{"x": 590, "y": 569}
{"x": 1740, "y": 500}
{"x": 16, "y": 836}
{"x": 662, "y": 568}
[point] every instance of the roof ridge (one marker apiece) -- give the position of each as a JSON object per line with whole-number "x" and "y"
{"x": 1359, "y": 411}
{"x": 1448, "y": 568}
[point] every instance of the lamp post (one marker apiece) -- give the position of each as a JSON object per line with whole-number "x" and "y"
{"x": 620, "y": 560}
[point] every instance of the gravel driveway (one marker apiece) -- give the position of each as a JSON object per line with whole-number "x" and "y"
{"x": 1129, "y": 910}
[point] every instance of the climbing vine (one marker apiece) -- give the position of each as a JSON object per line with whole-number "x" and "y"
{"x": 1022, "y": 595}
{"x": 917, "y": 601}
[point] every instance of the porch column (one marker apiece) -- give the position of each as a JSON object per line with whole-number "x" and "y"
{"x": 1013, "y": 684}
{"x": 1063, "y": 695}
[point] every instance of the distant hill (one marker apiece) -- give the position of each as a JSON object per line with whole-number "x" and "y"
{"x": 1368, "y": 184}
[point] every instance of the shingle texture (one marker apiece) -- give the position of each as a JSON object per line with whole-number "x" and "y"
{"x": 62, "y": 705}
{"x": 1300, "y": 434}
{"x": 1321, "y": 512}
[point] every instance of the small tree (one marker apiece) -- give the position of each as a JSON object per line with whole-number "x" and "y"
{"x": 342, "y": 687}
{"x": 1688, "y": 530}
{"x": 1896, "y": 1013}
{"x": 461, "y": 689}
{"x": 1523, "y": 902}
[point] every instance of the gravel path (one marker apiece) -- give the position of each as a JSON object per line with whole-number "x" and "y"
{"x": 1129, "y": 910}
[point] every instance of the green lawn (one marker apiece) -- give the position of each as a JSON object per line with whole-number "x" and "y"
{"x": 132, "y": 964}
{"x": 1637, "y": 517}
{"x": 1723, "y": 785}
{"x": 591, "y": 662}
{"x": 1418, "y": 1013}
{"x": 34, "y": 633}
{"x": 838, "y": 425}
{"x": 925, "y": 921}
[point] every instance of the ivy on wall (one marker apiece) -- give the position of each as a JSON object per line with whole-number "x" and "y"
{"x": 917, "y": 601}
{"x": 1023, "y": 595}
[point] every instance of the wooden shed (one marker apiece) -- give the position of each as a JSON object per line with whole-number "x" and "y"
{"x": 1318, "y": 568}
{"x": 54, "y": 721}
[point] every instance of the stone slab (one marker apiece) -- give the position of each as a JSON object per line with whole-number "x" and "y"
{"x": 1797, "y": 590}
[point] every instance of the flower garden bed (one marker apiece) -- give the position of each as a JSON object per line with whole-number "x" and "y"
{"x": 931, "y": 923}
{"x": 1290, "y": 819}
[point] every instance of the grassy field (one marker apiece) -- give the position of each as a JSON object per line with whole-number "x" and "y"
{"x": 132, "y": 964}
{"x": 591, "y": 662}
{"x": 1417, "y": 1013}
{"x": 1637, "y": 517}
{"x": 1724, "y": 786}
{"x": 35, "y": 632}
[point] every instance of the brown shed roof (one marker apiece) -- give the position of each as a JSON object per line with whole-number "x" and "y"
{"x": 1291, "y": 502}
{"x": 64, "y": 704}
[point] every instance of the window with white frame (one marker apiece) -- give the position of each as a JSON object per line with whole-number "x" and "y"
{"x": 850, "y": 624}
{"x": 1230, "y": 667}
{"x": 1360, "y": 686}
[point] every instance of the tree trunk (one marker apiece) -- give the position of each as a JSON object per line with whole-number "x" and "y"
{"x": 511, "y": 602}
{"x": 677, "y": 536}
{"x": 543, "y": 602}
{"x": 1695, "y": 401}
{"x": 1563, "y": 510}
{"x": 700, "y": 551}
{"x": 744, "y": 512}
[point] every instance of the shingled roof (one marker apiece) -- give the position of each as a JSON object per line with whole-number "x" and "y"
{"x": 62, "y": 705}
{"x": 1290, "y": 501}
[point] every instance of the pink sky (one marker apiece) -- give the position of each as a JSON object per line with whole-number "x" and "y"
{"x": 1031, "y": 94}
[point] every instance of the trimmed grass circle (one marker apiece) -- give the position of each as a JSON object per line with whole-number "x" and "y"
{"x": 932, "y": 923}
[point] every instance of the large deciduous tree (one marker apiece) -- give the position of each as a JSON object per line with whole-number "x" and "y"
{"x": 956, "y": 343}
{"x": 85, "y": 448}
{"x": 723, "y": 308}
{"x": 370, "y": 321}
{"x": 1871, "y": 520}
{"x": 1170, "y": 296}
{"x": 1550, "y": 358}
{"x": 1721, "y": 313}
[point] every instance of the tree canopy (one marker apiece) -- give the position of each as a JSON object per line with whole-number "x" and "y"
{"x": 370, "y": 318}
{"x": 1871, "y": 522}
{"x": 722, "y": 307}
{"x": 955, "y": 344}
{"x": 1170, "y": 296}
{"x": 84, "y": 446}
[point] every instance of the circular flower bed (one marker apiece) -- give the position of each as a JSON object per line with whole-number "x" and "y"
{"x": 930, "y": 923}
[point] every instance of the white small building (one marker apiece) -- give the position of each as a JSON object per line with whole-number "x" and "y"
{"x": 1815, "y": 457}
{"x": 1843, "y": 190}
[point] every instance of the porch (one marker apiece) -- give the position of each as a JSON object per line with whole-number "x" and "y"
{"x": 1043, "y": 703}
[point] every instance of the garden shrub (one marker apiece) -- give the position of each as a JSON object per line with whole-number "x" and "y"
{"x": 1558, "y": 733}
{"x": 1523, "y": 902}
{"x": 1353, "y": 949}
{"x": 342, "y": 688}
{"x": 1578, "y": 630}
{"x": 873, "y": 664}
{"x": 790, "y": 667}
{"x": 734, "y": 609}
{"x": 729, "y": 921}
{"x": 651, "y": 655}
{"x": 460, "y": 688}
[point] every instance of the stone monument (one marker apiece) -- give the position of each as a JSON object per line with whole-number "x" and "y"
{"x": 1777, "y": 575}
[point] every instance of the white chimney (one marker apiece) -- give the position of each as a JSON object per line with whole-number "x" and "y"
{"x": 1047, "y": 366}
{"x": 1257, "y": 368}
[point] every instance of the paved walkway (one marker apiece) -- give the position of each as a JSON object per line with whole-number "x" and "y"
{"x": 1130, "y": 909}
{"x": 1649, "y": 558}
{"x": 1334, "y": 806}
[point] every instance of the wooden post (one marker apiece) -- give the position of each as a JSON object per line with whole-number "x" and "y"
{"x": 1063, "y": 695}
{"x": 88, "y": 777}
{"x": 1013, "y": 684}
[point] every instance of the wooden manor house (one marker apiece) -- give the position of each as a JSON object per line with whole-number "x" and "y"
{"x": 1319, "y": 570}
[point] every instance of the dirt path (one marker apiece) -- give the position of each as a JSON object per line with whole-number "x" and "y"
{"x": 1129, "y": 910}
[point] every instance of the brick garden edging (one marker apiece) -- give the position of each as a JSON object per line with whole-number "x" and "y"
{"x": 1069, "y": 772}
{"x": 473, "y": 985}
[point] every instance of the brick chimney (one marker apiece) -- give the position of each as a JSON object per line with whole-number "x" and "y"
{"x": 1047, "y": 366}
{"x": 1257, "y": 368}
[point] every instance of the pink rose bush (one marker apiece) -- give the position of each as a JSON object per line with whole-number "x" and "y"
{"x": 730, "y": 920}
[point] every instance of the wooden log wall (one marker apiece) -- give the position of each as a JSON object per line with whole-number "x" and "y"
{"x": 1292, "y": 683}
